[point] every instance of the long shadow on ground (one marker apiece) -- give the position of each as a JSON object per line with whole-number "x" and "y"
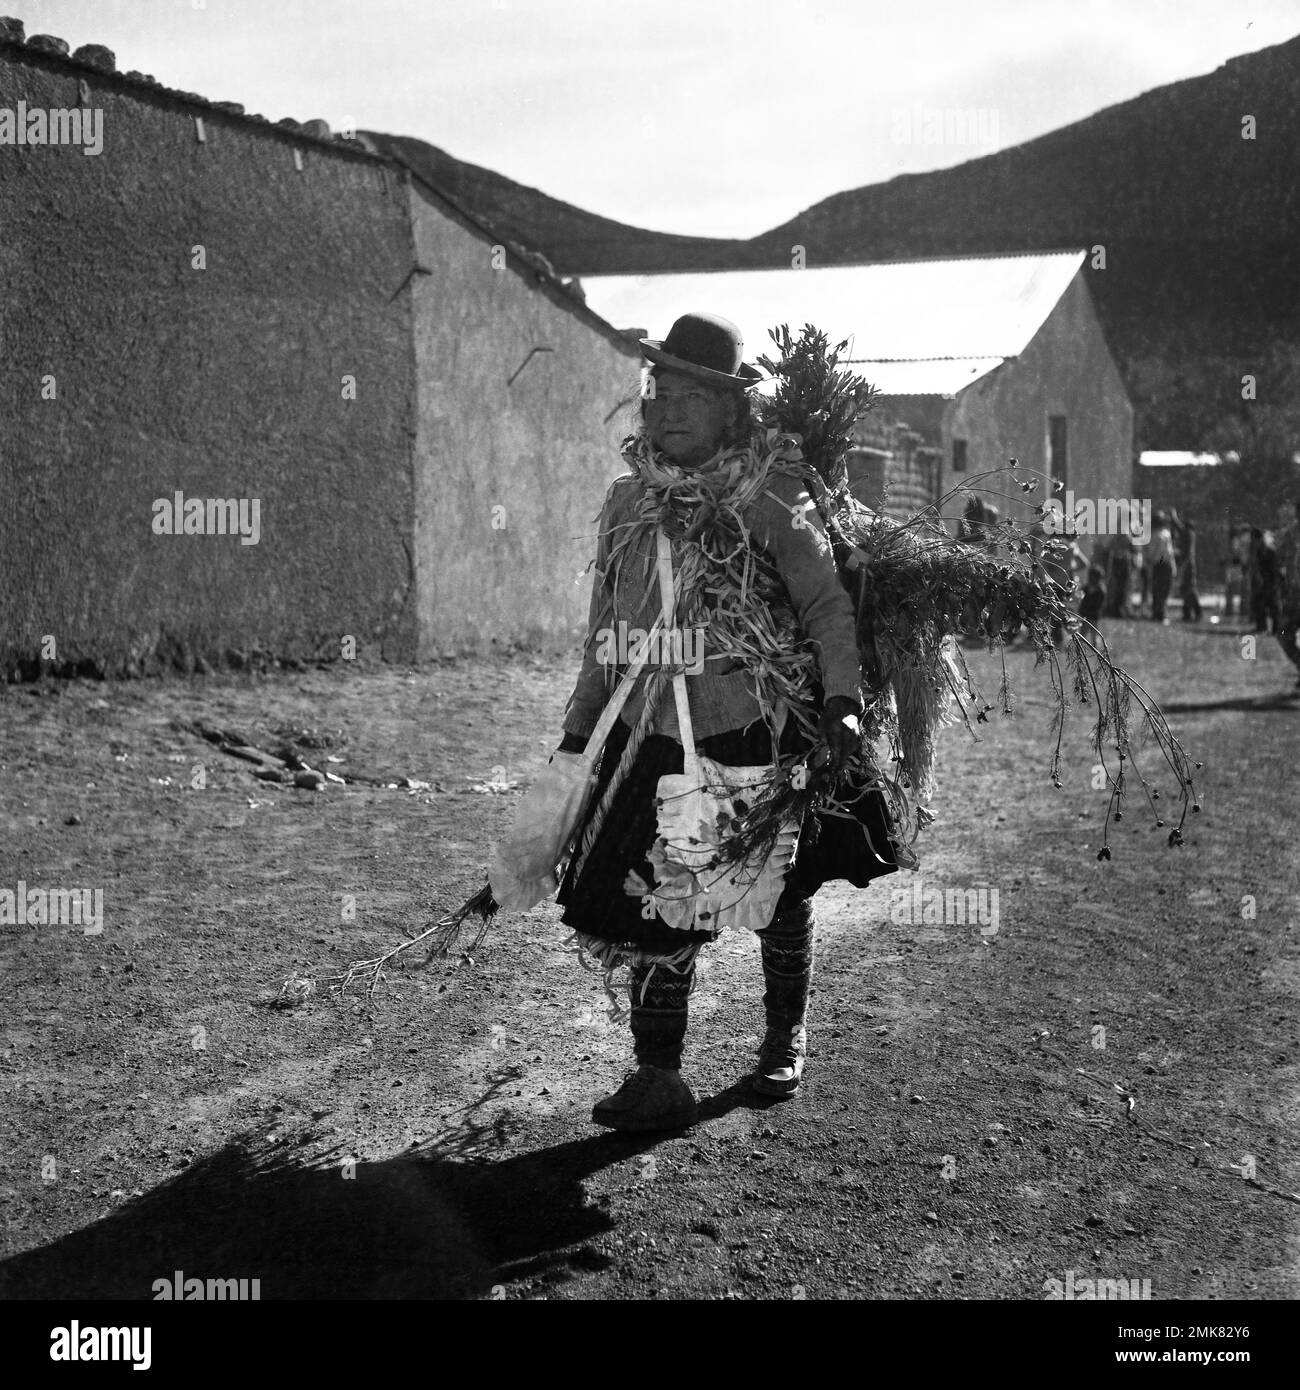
{"x": 414, "y": 1226}
{"x": 1288, "y": 700}
{"x": 440, "y": 1222}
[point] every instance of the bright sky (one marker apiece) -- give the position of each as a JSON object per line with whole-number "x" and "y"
{"x": 712, "y": 117}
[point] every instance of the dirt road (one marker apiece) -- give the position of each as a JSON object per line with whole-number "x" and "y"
{"x": 1097, "y": 1084}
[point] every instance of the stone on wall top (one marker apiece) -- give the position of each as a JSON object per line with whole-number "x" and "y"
{"x": 540, "y": 263}
{"x": 95, "y": 55}
{"x": 47, "y": 43}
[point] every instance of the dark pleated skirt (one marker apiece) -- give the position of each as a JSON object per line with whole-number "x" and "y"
{"x": 852, "y": 846}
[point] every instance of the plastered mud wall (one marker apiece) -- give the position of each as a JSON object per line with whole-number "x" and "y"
{"x": 178, "y": 315}
{"x": 237, "y": 313}
{"x": 1066, "y": 370}
{"x": 521, "y": 410}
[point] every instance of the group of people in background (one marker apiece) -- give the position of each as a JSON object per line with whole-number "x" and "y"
{"x": 1166, "y": 565}
{"x": 1262, "y": 579}
{"x": 1125, "y": 580}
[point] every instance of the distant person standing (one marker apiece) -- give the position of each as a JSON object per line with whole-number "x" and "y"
{"x": 1178, "y": 530}
{"x": 978, "y": 523}
{"x": 969, "y": 528}
{"x": 1187, "y": 584}
{"x": 1093, "y": 603}
{"x": 1160, "y": 565}
{"x": 1263, "y": 580}
{"x": 989, "y": 526}
{"x": 1234, "y": 584}
{"x": 1288, "y": 570}
{"x": 1119, "y": 576}
{"x": 1247, "y": 547}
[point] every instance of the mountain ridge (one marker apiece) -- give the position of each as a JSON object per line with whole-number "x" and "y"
{"x": 1193, "y": 232}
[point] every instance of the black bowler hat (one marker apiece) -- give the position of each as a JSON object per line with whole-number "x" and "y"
{"x": 706, "y": 347}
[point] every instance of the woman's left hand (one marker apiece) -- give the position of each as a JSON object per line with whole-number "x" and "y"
{"x": 841, "y": 730}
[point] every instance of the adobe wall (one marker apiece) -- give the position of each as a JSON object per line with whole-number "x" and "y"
{"x": 509, "y": 475}
{"x": 899, "y": 479}
{"x": 225, "y": 382}
{"x": 1066, "y": 369}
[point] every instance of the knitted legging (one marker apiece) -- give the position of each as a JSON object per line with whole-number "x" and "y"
{"x": 659, "y": 1012}
{"x": 787, "y": 948}
{"x": 660, "y": 994}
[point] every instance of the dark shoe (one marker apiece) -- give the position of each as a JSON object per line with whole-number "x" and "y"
{"x": 651, "y": 1098}
{"x": 780, "y": 1062}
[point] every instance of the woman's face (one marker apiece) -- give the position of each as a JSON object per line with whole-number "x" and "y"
{"x": 687, "y": 419}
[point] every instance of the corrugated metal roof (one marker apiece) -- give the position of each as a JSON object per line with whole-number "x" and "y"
{"x": 1177, "y": 458}
{"x": 932, "y": 376}
{"x": 941, "y": 323}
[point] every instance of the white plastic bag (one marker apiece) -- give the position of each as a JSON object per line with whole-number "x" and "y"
{"x": 525, "y": 867}
{"x": 523, "y": 870}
